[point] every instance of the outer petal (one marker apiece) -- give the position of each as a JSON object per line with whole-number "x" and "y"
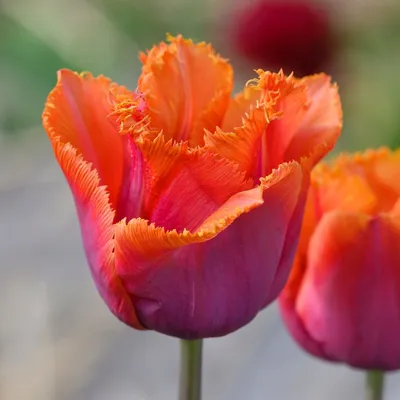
{"x": 295, "y": 228}
{"x": 77, "y": 111}
{"x": 193, "y": 285}
{"x": 187, "y": 87}
{"x": 349, "y": 301}
{"x": 96, "y": 217}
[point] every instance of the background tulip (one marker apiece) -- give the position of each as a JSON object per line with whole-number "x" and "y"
{"x": 342, "y": 301}
{"x": 190, "y": 202}
{"x": 293, "y": 34}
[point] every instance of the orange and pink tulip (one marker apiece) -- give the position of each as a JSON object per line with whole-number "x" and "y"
{"x": 342, "y": 300}
{"x": 190, "y": 201}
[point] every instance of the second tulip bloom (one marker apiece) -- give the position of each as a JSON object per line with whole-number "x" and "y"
{"x": 342, "y": 300}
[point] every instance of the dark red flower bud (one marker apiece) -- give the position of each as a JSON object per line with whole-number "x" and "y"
{"x": 294, "y": 35}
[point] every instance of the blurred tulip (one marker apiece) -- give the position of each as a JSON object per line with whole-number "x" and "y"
{"x": 289, "y": 34}
{"x": 342, "y": 300}
{"x": 190, "y": 202}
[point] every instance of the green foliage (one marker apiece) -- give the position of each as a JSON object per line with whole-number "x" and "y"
{"x": 115, "y": 30}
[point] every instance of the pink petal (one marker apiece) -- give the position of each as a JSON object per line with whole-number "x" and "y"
{"x": 214, "y": 287}
{"x": 349, "y": 300}
{"x": 96, "y": 222}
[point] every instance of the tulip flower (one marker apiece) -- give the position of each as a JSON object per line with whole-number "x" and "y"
{"x": 342, "y": 300}
{"x": 190, "y": 201}
{"x": 293, "y": 34}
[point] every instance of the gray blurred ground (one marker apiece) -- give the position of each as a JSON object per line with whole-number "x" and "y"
{"x": 58, "y": 341}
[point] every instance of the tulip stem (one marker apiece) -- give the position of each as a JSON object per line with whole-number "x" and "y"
{"x": 190, "y": 374}
{"x": 374, "y": 385}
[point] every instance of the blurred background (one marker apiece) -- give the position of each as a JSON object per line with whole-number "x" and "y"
{"x": 57, "y": 339}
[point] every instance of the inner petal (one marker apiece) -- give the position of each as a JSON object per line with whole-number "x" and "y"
{"x": 242, "y": 145}
{"x": 239, "y": 106}
{"x": 288, "y": 100}
{"x": 199, "y": 185}
{"x": 187, "y": 88}
{"x": 135, "y": 184}
{"x": 309, "y": 124}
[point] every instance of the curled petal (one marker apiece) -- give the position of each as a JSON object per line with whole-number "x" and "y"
{"x": 187, "y": 88}
{"x": 241, "y": 145}
{"x": 311, "y": 118}
{"x": 291, "y": 120}
{"x": 77, "y": 112}
{"x": 197, "y": 276}
{"x": 96, "y": 222}
{"x": 322, "y": 121}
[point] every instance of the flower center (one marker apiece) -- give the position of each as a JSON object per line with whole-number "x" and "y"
{"x": 131, "y": 112}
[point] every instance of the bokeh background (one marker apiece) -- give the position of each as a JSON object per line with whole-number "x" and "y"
{"x": 57, "y": 339}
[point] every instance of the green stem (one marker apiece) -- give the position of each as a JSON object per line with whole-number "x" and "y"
{"x": 374, "y": 385}
{"x": 190, "y": 376}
